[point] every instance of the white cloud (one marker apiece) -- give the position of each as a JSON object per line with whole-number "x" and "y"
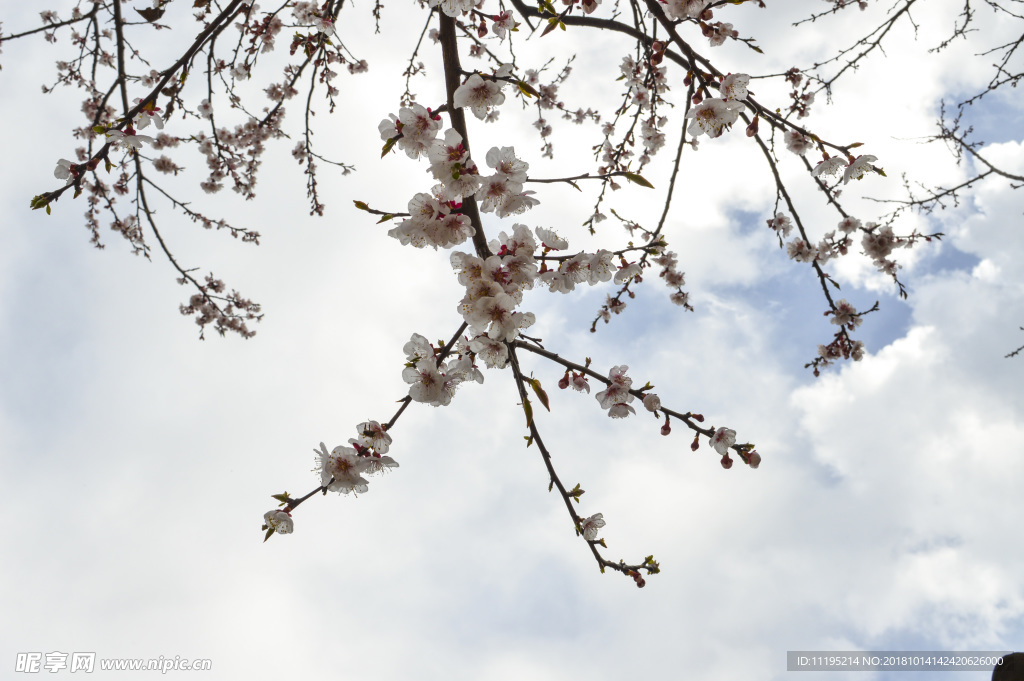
{"x": 139, "y": 461}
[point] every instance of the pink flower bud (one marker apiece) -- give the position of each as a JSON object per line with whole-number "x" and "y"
{"x": 752, "y": 128}
{"x": 563, "y": 382}
{"x": 726, "y": 462}
{"x": 666, "y": 429}
{"x": 755, "y": 459}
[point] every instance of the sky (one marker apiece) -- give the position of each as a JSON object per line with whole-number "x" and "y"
{"x": 136, "y": 461}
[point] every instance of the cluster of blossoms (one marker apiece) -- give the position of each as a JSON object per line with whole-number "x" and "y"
{"x": 652, "y": 137}
{"x": 234, "y": 153}
{"x": 798, "y": 249}
{"x": 308, "y": 14}
{"x": 714, "y": 115}
{"x": 846, "y": 315}
{"x": 495, "y": 285}
{"x": 454, "y": 8}
{"x": 854, "y": 169}
{"x": 717, "y": 32}
{"x": 673, "y": 278}
{"x": 797, "y": 142}
{"x": 433, "y": 383}
{"x": 842, "y": 347}
{"x": 645, "y": 81}
{"x": 343, "y": 468}
{"x": 685, "y": 9}
{"x": 878, "y": 242}
{"x": 723, "y": 439}
{"x": 616, "y": 397}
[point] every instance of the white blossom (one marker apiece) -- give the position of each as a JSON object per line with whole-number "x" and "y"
{"x": 798, "y": 143}
{"x": 279, "y": 521}
{"x": 479, "y": 95}
{"x": 860, "y": 165}
{"x": 722, "y": 440}
{"x": 781, "y": 224}
{"x": 63, "y": 170}
{"x": 551, "y": 240}
{"x": 713, "y": 116}
{"x": 846, "y": 314}
{"x": 829, "y": 166}
{"x": 372, "y": 434}
{"x": 591, "y": 525}
{"x": 734, "y": 86}
{"x": 341, "y": 469}
{"x": 128, "y": 139}
{"x": 504, "y": 162}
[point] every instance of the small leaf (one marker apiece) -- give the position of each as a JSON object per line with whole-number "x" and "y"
{"x": 361, "y": 205}
{"x": 269, "y": 532}
{"x": 387, "y": 217}
{"x": 880, "y": 171}
{"x": 550, "y": 27}
{"x": 99, "y": 129}
{"x": 281, "y": 497}
{"x": 39, "y": 201}
{"x": 541, "y": 395}
{"x": 528, "y": 408}
{"x": 151, "y": 14}
{"x": 855, "y": 145}
{"x": 637, "y": 179}
{"x": 47, "y": 209}
{"x": 388, "y": 146}
{"x": 527, "y": 89}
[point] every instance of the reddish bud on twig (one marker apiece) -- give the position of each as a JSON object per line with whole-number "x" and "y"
{"x": 726, "y": 462}
{"x": 752, "y": 128}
